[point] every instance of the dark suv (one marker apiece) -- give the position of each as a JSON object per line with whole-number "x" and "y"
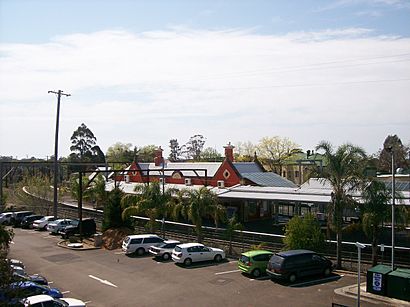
{"x": 27, "y": 221}
{"x": 298, "y": 263}
{"x": 88, "y": 227}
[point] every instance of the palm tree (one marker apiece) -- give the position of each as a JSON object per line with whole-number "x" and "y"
{"x": 344, "y": 172}
{"x": 231, "y": 227}
{"x": 196, "y": 205}
{"x": 149, "y": 201}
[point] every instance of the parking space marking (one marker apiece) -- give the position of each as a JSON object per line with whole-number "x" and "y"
{"x": 227, "y": 272}
{"x": 318, "y": 281}
{"x": 87, "y": 302}
{"x": 65, "y": 292}
{"x": 103, "y": 281}
{"x": 260, "y": 278}
{"x": 50, "y": 282}
{"x": 119, "y": 253}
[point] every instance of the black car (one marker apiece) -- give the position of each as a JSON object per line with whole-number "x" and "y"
{"x": 27, "y": 221}
{"x": 294, "y": 264}
{"x": 88, "y": 229}
{"x": 18, "y": 217}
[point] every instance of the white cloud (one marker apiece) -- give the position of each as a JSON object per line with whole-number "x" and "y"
{"x": 230, "y": 85}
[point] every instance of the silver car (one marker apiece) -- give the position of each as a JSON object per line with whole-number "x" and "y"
{"x": 164, "y": 250}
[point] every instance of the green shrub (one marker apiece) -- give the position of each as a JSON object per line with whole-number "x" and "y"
{"x": 304, "y": 233}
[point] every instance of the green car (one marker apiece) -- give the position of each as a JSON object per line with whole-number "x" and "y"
{"x": 254, "y": 262}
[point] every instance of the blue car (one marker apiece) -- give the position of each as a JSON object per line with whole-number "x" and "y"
{"x": 28, "y": 288}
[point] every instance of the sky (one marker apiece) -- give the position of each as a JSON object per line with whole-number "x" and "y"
{"x": 145, "y": 72}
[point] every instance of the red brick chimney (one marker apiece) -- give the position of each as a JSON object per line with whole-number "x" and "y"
{"x": 158, "y": 160}
{"x": 229, "y": 152}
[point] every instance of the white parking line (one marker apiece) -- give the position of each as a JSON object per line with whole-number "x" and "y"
{"x": 50, "y": 282}
{"x": 103, "y": 281}
{"x": 119, "y": 253}
{"x": 65, "y": 292}
{"x": 227, "y": 272}
{"x": 87, "y": 302}
{"x": 12, "y": 242}
{"x": 260, "y": 278}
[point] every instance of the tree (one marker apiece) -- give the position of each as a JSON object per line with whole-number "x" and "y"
{"x": 149, "y": 201}
{"x": 113, "y": 210}
{"x": 374, "y": 211}
{"x": 6, "y": 236}
{"x": 393, "y": 143}
{"x": 120, "y": 152}
{"x": 210, "y": 154}
{"x": 194, "y": 147}
{"x": 274, "y": 150}
{"x": 83, "y": 140}
{"x": 175, "y": 150}
{"x": 345, "y": 172}
{"x": 199, "y": 204}
{"x": 97, "y": 191}
{"x": 245, "y": 151}
{"x": 304, "y": 233}
{"x": 231, "y": 227}
{"x": 146, "y": 153}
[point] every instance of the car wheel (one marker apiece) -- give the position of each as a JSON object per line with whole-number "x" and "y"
{"x": 165, "y": 256}
{"x": 218, "y": 258}
{"x": 187, "y": 261}
{"x": 140, "y": 251}
{"x": 292, "y": 278}
{"x": 256, "y": 273}
{"x": 327, "y": 271}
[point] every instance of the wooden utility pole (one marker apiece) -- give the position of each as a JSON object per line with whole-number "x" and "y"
{"x": 59, "y": 93}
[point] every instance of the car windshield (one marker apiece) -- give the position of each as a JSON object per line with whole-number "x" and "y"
{"x": 63, "y": 303}
{"x": 178, "y": 249}
{"x": 275, "y": 259}
{"x": 244, "y": 258}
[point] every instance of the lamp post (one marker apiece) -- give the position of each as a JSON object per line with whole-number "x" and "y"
{"x": 393, "y": 192}
{"x": 359, "y": 246}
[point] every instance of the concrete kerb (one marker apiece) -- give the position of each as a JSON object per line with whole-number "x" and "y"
{"x": 85, "y": 247}
{"x": 351, "y": 292}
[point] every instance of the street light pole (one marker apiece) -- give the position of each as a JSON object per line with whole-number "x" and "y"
{"x": 55, "y": 200}
{"x": 360, "y": 246}
{"x": 393, "y": 192}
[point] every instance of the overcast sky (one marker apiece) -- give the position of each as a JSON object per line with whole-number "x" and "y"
{"x": 143, "y": 72}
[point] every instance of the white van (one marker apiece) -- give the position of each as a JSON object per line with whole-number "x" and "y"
{"x": 140, "y": 244}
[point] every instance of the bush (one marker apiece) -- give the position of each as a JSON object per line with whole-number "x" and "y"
{"x": 304, "y": 233}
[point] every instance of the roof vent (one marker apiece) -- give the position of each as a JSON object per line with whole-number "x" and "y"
{"x": 221, "y": 184}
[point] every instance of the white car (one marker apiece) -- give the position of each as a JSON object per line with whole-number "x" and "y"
{"x": 42, "y": 223}
{"x": 164, "y": 250}
{"x": 195, "y": 252}
{"x": 140, "y": 244}
{"x": 57, "y": 225}
{"x": 46, "y": 300}
{"x": 16, "y": 263}
{"x": 5, "y": 218}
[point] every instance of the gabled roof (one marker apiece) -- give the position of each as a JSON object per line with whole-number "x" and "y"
{"x": 247, "y": 167}
{"x": 269, "y": 180}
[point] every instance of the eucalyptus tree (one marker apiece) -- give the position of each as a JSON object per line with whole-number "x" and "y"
{"x": 148, "y": 200}
{"x": 345, "y": 173}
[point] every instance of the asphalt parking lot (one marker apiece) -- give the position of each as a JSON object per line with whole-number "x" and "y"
{"x": 110, "y": 278}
